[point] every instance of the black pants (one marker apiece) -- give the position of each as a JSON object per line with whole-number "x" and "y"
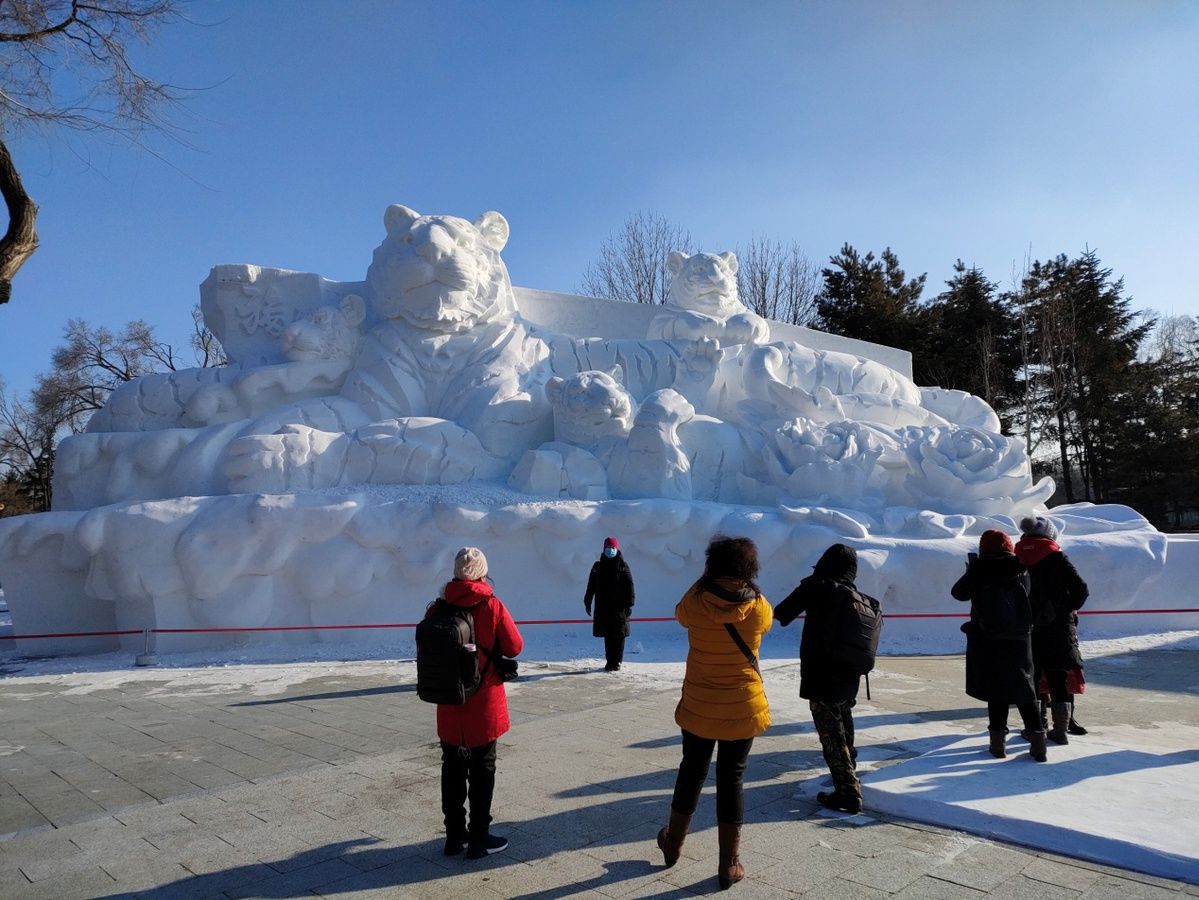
{"x": 731, "y": 759}
{"x": 460, "y": 767}
{"x": 614, "y": 649}
{"x": 1030, "y": 714}
{"x": 1055, "y": 679}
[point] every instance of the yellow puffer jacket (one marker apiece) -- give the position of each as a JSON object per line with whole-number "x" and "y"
{"x": 723, "y": 697}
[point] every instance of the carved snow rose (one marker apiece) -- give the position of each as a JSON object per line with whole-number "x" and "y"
{"x": 810, "y": 461}
{"x": 957, "y": 468}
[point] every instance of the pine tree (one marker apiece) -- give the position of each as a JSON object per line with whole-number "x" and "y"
{"x": 970, "y": 339}
{"x": 1081, "y": 339}
{"x": 869, "y": 299}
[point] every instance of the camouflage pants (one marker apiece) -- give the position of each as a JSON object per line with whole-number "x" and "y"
{"x": 834, "y": 724}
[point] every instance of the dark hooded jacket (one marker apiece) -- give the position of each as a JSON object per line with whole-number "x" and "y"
{"x": 823, "y": 596}
{"x": 611, "y": 586}
{"x": 1058, "y": 592}
{"x": 998, "y": 635}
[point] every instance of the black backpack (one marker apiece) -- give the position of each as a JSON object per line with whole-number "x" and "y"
{"x": 1003, "y": 611}
{"x": 854, "y": 641}
{"x": 447, "y": 657}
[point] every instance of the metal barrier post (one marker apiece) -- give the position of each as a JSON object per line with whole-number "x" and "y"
{"x": 147, "y": 657}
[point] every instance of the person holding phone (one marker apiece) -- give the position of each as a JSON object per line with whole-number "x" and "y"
{"x": 999, "y": 667}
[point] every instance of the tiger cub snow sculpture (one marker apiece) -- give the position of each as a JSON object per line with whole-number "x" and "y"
{"x": 702, "y": 302}
{"x": 319, "y": 347}
{"x": 449, "y": 387}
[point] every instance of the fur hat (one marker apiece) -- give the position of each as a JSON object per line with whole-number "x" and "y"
{"x": 1038, "y": 526}
{"x": 993, "y": 542}
{"x": 612, "y": 542}
{"x": 470, "y": 564}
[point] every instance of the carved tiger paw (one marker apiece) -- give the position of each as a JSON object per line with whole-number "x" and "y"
{"x": 294, "y": 458}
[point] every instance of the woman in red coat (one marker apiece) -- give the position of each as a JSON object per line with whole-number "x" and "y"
{"x": 468, "y": 733}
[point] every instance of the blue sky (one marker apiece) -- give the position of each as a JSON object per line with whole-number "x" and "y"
{"x": 942, "y": 130}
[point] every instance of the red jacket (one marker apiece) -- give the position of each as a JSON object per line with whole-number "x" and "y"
{"x": 484, "y": 717}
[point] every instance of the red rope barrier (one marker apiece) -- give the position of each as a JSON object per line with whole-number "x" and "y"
{"x": 75, "y": 634}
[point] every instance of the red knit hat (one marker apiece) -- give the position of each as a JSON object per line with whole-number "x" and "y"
{"x": 993, "y": 542}
{"x": 612, "y": 542}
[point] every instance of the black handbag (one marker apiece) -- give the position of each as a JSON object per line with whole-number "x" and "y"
{"x": 505, "y": 666}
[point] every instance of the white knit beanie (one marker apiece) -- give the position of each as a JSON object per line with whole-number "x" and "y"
{"x": 1038, "y": 526}
{"x": 470, "y": 564}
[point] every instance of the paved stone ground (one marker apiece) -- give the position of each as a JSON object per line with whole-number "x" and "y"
{"x": 170, "y": 787}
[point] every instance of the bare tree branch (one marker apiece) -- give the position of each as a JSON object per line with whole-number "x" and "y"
{"x": 65, "y": 63}
{"x": 777, "y": 282}
{"x": 632, "y": 263}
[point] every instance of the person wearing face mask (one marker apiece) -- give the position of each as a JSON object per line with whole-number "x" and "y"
{"x": 610, "y": 586}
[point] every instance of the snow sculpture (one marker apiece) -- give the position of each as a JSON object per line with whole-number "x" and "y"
{"x": 652, "y": 463}
{"x": 450, "y": 384}
{"x": 203, "y": 497}
{"x": 320, "y": 347}
{"x": 702, "y": 302}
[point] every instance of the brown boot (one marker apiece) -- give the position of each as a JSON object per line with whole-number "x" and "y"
{"x": 1036, "y": 746}
{"x": 731, "y": 871}
{"x": 670, "y": 838}
{"x": 1061, "y": 721}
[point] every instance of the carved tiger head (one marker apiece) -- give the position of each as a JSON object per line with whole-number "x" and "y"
{"x": 704, "y": 282}
{"x": 589, "y": 406}
{"x": 441, "y": 273}
{"x": 327, "y": 332}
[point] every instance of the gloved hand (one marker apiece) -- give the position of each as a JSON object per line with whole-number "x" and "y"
{"x": 587, "y": 606}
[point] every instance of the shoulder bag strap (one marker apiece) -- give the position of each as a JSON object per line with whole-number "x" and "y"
{"x": 486, "y": 650}
{"x": 744, "y": 647}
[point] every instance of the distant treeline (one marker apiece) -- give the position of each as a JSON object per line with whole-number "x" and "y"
{"x": 1106, "y": 397}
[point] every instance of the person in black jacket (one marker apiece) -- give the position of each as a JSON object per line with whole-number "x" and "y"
{"x": 610, "y": 585}
{"x": 831, "y": 688}
{"x": 999, "y": 640}
{"x": 1058, "y": 592}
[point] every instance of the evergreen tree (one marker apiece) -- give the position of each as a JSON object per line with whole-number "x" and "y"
{"x": 1081, "y": 339}
{"x": 1156, "y": 461}
{"x": 970, "y": 339}
{"x": 870, "y": 299}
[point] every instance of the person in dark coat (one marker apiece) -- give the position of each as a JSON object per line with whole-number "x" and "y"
{"x": 468, "y": 733}
{"x": 610, "y": 586}
{"x": 999, "y": 667}
{"x": 830, "y": 687}
{"x": 1058, "y": 592}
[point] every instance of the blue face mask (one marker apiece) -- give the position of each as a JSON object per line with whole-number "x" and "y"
{"x": 609, "y": 552}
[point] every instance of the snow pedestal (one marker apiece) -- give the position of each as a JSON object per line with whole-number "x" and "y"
{"x": 379, "y": 556}
{"x": 1114, "y": 798}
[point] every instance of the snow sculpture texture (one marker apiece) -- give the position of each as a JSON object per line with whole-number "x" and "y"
{"x": 193, "y": 496}
{"x": 451, "y": 385}
{"x": 702, "y": 302}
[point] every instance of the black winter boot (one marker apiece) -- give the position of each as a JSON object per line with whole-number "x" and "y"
{"x": 1036, "y": 746}
{"x": 998, "y": 742}
{"x": 840, "y": 802}
{"x": 670, "y": 838}
{"x": 1061, "y": 721}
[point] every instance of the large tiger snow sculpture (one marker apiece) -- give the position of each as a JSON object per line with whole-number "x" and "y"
{"x": 428, "y": 374}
